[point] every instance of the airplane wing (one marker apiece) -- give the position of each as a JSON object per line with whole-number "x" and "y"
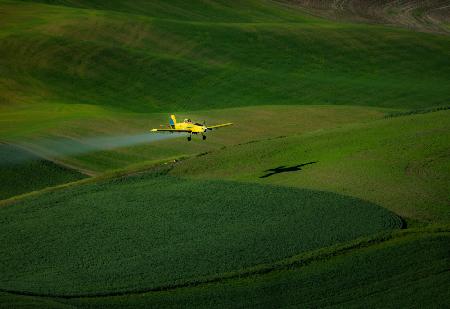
{"x": 170, "y": 130}
{"x": 219, "y": 126}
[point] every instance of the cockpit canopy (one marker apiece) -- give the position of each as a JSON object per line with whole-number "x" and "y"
{"x": 187, "y": 120}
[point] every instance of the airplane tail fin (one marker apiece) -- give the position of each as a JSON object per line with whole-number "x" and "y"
{"x": 172, "y": 121}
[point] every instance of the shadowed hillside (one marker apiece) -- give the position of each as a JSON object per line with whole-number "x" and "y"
{"x": 22, "y": 171}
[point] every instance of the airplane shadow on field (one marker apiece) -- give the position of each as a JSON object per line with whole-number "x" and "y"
{"x": 285, "y": 169}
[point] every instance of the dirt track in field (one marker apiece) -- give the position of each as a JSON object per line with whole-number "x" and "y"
{"x": 422, "y": 15}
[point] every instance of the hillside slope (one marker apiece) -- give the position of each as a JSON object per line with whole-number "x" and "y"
{"x": 198, "y": 10}
{"x": 22, "y": 171}
{"x": 428, "y": 15}
{"x": 416, "y": 274}
{"x": 300, "y": 203}
{"x": 147, "y": 231}
{"x": 253, "y": 53}
{"x": 400, "y": 163}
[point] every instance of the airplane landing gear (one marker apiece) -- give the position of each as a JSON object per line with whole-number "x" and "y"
{"x": 189, "y": 138}
{"x": 204, "y": 137}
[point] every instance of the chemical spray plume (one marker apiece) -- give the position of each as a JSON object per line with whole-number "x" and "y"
{"x": 58, "y": 147}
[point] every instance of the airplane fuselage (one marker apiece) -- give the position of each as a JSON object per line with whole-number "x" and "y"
{"x": 194, "y": 128}
{"x": 187, "y": 126}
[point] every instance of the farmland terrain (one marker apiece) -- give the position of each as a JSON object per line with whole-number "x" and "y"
{"x": 22, "y": 171}
{"x": 157, "y": 61}
{"x": 428, "y": 15}
{"x": 161, "y": 229}
{"x": 329, "y": 190}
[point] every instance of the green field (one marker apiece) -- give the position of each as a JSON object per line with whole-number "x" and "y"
{"x": 41, "y": 129}
{"x": 401, "y": 163}
{"x": 330, "y": 189}
{"x": 348, "y": 281}
{"x": 416, "y": 275}
{"x": 214, "y": 55}
{"x": 164, "y": 231}
{"x": 22, "y": 171}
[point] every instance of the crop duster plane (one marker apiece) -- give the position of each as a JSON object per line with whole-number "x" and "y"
{"x": 187, "y": 126}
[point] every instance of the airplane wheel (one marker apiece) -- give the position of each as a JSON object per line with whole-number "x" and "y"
{"x": 189, "y": 138}
{"x": 204, "y": 137}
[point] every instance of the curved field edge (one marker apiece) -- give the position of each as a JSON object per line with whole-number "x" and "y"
{"x": 400, "y": 163}
{"x": 24, "y": 171}
{"x": 407, "y": 272}
{"x": 58, "y": 143}
{"x": 148, "y": 217}
{"x": 153, "y": 166}
{"x": 294, "y": 262}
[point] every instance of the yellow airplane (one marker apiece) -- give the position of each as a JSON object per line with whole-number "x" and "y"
{"x": 187, "y": 126}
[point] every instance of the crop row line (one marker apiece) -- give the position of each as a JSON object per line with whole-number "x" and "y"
{"x": 292, "y": 262}
{"x": 130, "y": 170}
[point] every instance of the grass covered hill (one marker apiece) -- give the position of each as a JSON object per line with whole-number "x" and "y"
{"x": 22, "y": 171}
{"x": 416, "y": 275}
{"x": 143, "y": 232}
{"x": 166, "y": 56}
{"x": 81, "y": 135}
{"x": 401, "y": 163}
{"x": 136, "y": 222}
{"x": 330, "y": 189}
{"x": 199, "y": 10}
{"x": 403, "y": 272}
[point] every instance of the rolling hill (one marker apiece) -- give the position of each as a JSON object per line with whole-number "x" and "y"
{"x": 156, "y": 237}
{"x": 214, "y": 55}
{"x": 401, "y": 163}
{"x": 22, "y": 171}
{"x": 330, "y": 189}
